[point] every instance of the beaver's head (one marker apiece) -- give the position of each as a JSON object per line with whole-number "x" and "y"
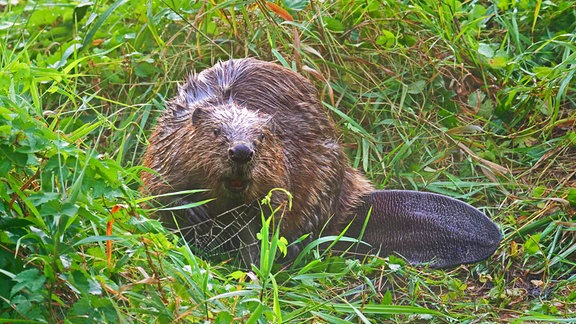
{"x": 241, "y": 155}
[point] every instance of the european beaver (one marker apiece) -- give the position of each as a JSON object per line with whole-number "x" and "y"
{"x": 245, "y": 127}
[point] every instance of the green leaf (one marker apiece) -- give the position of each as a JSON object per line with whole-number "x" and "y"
{"x": 475, "y": 98}
{"x": 543, "y": 72}
{"x": 224, "y": 318}
{"x": 456, "y": 284}
{"x": 417, "y": 87}
{"x": 485, "y": 50}
{"x": 333, "y": 24}
{"x": 330, "y": 318}
{"x": 98, "y": 238}
{"x": 296, "y": 4}
{"x": 571, "y": 196}
{"x": 256, "y": 315}
{"x": 81, "y": 10}
{"x": 30, "y": 279}
{"x": 55, "y": 208}
{"x": 145, "y": 69}
{"x": 5, "y": 166}
{"x": 486, "y": 108}
{"x": 386, "y": 38}
{"x": 538, "y": 192}
{"x": 498, "y": 62}
{"x": 387, "y": 298}
{"x": 100, "y": 22}
{"x": 13, "y": 223}
{"x": 53, "y": 16}
{"x": 532, "y": 245}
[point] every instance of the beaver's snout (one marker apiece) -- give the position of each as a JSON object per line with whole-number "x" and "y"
{"x": 240, "y": 153}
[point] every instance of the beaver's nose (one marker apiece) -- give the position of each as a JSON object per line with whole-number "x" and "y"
{"x": 240, "y": 153}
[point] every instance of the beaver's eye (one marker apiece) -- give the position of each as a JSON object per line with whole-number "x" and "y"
{"x": 216, "y": 131}
{"x": 261, "y": 137}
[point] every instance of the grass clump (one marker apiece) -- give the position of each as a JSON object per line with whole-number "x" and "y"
{"x": 474, "y": 100}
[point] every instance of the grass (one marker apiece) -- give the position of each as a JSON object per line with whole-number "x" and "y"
{"x": 474, "y": 100}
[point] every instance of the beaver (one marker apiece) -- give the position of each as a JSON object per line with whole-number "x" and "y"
{"x": 244, "y": 127}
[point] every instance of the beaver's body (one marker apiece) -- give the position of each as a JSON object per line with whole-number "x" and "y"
{"x": 245, "y": 127}
{"x": 284, "y": 139}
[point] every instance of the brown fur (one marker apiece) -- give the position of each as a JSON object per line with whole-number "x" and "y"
{"x": 277, "y": 112}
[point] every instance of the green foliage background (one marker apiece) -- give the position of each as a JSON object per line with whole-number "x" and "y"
{"x": 474, "y": 99}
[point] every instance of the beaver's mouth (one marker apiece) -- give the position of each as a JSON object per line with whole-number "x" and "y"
{"x": 236, "y": 185}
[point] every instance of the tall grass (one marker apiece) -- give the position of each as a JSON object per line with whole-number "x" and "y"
{"x": 474, "y": 100}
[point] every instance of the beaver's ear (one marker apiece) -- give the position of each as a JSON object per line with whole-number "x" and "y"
{"x": 177, "y": 110}
{"x": 197, "y": 115}
{"x": 424, "y": 228}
